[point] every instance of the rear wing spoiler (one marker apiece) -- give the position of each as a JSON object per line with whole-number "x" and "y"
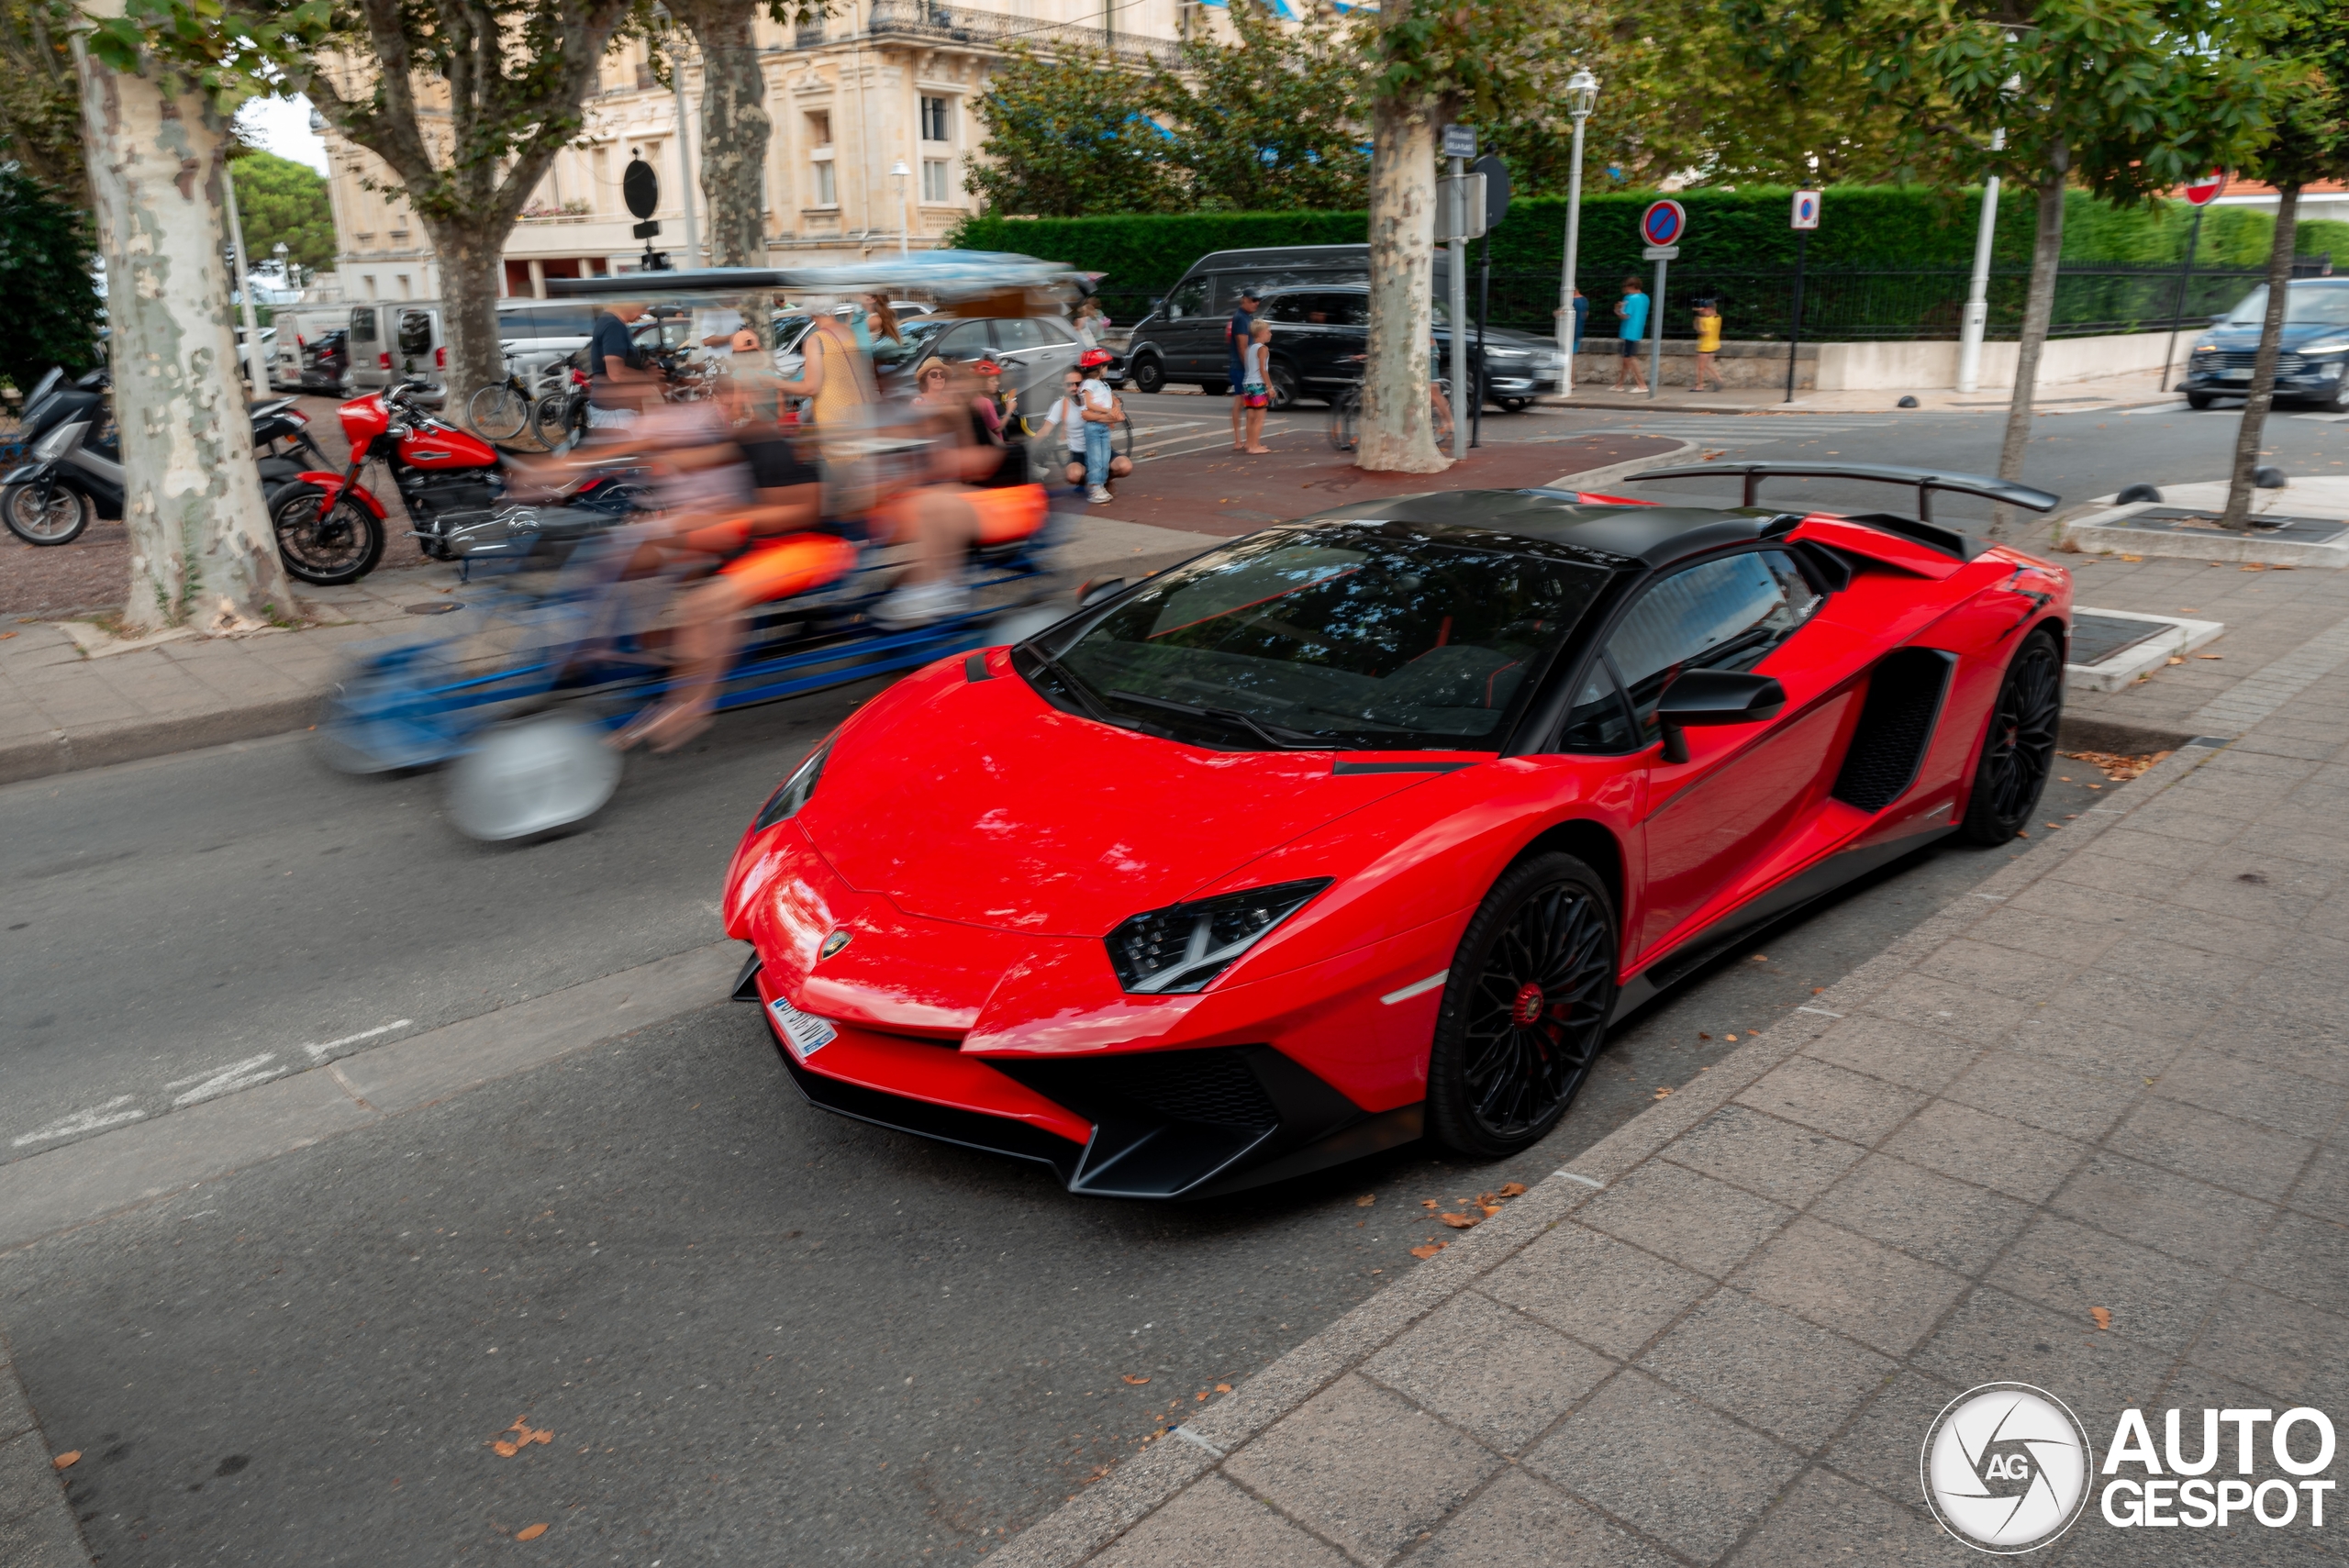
{"x": 1925, "y": 481}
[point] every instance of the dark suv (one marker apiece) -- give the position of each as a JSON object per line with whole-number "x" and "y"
{"x": 1317, "y": 298}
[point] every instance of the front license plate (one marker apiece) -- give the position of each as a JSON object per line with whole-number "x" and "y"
{"x": 808, "y": 1033}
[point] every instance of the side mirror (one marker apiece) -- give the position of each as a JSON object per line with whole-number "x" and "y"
{"x": 1715, "y": 696}
{"x": 1092, "y": 593}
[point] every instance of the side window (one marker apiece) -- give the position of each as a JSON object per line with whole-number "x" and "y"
{"x": 1599, "y": 721}
{"x": 1013, "y": 333}
{"x": 1190, "y": 299}
{"x": 967, "y": 341}
{"x": 416, "y": 332}
{"x": 363, "y": 324}
{"x": 1290, "y": 310}
{"x": 1723, "y": 613}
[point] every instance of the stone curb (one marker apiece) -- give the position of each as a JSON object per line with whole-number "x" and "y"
{"x": 38, "y": 1529}
{"x": 63, "y": 752}
{"x": 1139, "y": 1486}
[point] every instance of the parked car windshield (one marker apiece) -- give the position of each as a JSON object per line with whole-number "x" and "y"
{"x": 1374, "y": 634}
{"x": 2304, "y": 305}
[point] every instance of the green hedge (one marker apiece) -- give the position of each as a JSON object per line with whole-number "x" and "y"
{"x": 1860, "y": 226}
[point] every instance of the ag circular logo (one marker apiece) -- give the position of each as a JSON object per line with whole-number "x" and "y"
{"x": 2006, "y": 1467}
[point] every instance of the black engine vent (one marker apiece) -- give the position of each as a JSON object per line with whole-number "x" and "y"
{"x": 1905, "y": 692}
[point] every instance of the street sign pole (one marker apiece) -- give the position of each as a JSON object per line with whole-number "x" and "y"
{"x": 1794, "y": 339}
{"x": 1459, "y": 146}
{"x": 1484, "y": 308}
{"x": 1663, "y": 227}
{"x": 2185, "y": 281}
{"x": 1655, "y": 331}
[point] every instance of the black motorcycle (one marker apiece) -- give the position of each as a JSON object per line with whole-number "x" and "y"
{"x": 72, "y": 467}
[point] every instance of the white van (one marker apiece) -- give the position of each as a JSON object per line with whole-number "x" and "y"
{"x": 394, "y": 341}
{"x": 298, "y": 327}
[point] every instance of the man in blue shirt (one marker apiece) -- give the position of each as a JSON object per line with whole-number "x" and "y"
{"x": 614, "y": 365}
{"x": 1633, "y": 308}
{"x": 1235, "y": 372}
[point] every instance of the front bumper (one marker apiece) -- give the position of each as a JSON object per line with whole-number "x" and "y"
{"x": 2295, "y": 377}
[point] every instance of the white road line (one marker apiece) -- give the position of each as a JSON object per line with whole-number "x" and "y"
{"x": 318, "y": 1052}
{"x": 1416, "y": 988}
{"x": 1195, "y": 1440}
{"x": 94, "y": 1120}
{"x": 226, "y": 1079}
{"x": 2324, "y": 419}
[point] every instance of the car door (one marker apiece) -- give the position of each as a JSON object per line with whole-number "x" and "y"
{"x": 1188, "y": 332}
{"x": 1024, "y": 349}
{"x": 369, "y": 367}
{"x": 1710, "y": 821}
{"x": 413, "y": 352}
{"x": 965, "y": 342}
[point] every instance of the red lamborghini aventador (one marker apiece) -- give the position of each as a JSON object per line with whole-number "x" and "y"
{"x": 1365, "y": 827}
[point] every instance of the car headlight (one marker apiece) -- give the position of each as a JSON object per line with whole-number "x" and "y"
{"x": 2330, "y": 348}
{"x": 2202, "y": 349}
{"x": 794, "y": 790}
{"x": 59, "y": 441}
{"x": 1184, "y": 946}
{"x": 1508, "y": 353}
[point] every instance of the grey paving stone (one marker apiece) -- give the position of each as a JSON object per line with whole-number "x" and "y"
{"x": 2171, "y": 845}
{"x": 1825, "y": 1519}
{"x": 1964, "y": 1011}
{"x": 1214, "y": 1524}
{"x": 2305, "y": 1258}
{"x": 2095, "y": 1047}
{"x": 2147, "y": 958}
{"x": 2325, "y": 1187}
{"x": 1956, "y": 1224}
{"x": 1646, "y": 1453}
{"x": 2163, "y": 1009}
{"x": 1907, "y": 1054}
{"x": 2003, "y": 1155}
{"x": 1362, "y": 1467}
{"x": 2204, "y": 1144}
{"x": 2285, "y": 1101}
{"x": 2037, "y": 1093}
{"x": 1993, "y": 1336}
{"x": 1596, "y": 1288}
{"x": 1767, "y": 1367}
{"x": 1520, "y": 1522}
{"x": 2026, "y": 931}
{"x": 1831, "y": 1099}
{"x": 2002, "y": 971}
{"x": 1690, "y": 1218}
{"x": 2161, "y": 1209}
{"x": 2284, "y": 894}
{"x": 2069, "y": 1269}
{"x": 1883, "y": 1445}
{"x": 15, "y": 1416}
{"x": 2315, "y": 1049}
{"x": 1855, "y": 1286}
{"x": 2201, "y": 929}
{"x": 1761, "y": 1153}
{"x": 46, "y": 1538}
{"x": 1495, "y": 1371}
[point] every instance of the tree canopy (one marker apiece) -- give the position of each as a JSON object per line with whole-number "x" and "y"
{"x": 45, "y": 256}
{"x": 281, "y": 201}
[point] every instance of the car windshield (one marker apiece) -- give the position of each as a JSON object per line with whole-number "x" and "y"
{"x": 2304, "y": 305}
{"x": 1358, "y": 635}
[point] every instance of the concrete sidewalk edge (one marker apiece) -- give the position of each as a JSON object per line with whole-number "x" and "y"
{"x": 38, "y": 1529}
{"x": 59, "y": 752}
{"x": 1094, "y": 1518}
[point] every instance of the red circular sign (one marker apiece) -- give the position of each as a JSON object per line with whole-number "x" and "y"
{"x": 1664, "y": 223}
{"x": 2205, "y": 191}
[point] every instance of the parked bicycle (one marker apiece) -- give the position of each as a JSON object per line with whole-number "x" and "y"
{"x": 503, "y": 409}
{"x": 1345, "y": 414}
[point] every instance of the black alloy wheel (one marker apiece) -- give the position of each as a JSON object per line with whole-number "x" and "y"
{"x": 2019, "y": 750}
{"x": 1525, "y": 1009}
{"x": 1150, "y": 375}
{"x": 321, "y": 544}
{"x": 2200, "y": 399}
{"x": 1283, "y": 387}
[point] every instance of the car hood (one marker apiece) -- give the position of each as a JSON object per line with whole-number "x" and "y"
{"x": 2244, "y": 338}
{"x": 980, "y": 802}
{"x": 1505, "y": 338}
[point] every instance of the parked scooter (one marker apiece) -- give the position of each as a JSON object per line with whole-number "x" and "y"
{"x": 72, "y": 467}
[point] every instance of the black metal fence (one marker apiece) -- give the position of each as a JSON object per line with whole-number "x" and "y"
{"x": 1861, "y": 303}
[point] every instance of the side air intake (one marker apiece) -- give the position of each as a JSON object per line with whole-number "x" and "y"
{"x": 1905, "y": 691}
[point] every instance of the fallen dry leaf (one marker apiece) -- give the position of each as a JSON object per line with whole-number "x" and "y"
{"x": 1430, "y": 1250}
{"x": 70, "y": 1457}
{"x": 1223, "y": 1388}
{"x": 1202, "y": 1397}
{"x": 1663, "y": 1094}
{"x": 1491, "y": 1210}
{"x": 2209, "y": 656}
{"x": 4, "y": 635}
{"x": 1514, "y": 1189}
{"x": 2132, "y": 558}
{"x": 529, "y": 1532}
{"x": 2174, "y": 658}
{"x": 1137, "y": 1381}
{"x": 1460, "y": 1221}
{"x": 2103, "y": 1315}
{"x": 1366, "y": 1200}
{"x": 1730, "y": 1038}
{"x": 1430, "y": 1203}
{"x": 503, "y": 1448}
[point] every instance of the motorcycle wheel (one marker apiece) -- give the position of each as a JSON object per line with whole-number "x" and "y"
{"x": 59, "y": 521}
{"x": 321, "y": 545}
{"x": 531, "y": 777}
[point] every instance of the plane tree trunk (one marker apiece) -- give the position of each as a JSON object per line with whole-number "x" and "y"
{"x": 2038, "y": 310}
{"x": 1396, "y": 433}
{"x": 2263, "y": 366}
{"x": 735, "y": 126}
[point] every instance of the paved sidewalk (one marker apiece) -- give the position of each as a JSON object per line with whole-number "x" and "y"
{"x": 2101, "y": 396}
{"x": 37, "y": 1525}
{"x": 2110, "y": 1081}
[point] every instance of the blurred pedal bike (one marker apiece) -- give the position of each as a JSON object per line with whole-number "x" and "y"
{"x": 1345, "y": 415}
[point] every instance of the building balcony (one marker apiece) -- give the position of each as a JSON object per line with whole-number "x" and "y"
{"x": 935, "y": 22}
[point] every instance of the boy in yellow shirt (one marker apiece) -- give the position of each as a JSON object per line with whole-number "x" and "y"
{"x": 1709, "y": 343}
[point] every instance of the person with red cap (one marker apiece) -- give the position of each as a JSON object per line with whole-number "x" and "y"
{"x": 1100, "y": 410}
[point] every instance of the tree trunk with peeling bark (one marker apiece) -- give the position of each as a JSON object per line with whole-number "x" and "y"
{"x": 202, "y": 552}
{"x": 1397, "y": 435}
{"x": 735, "y": 126}
{"x": 2263, "y": 365}
{"x": 2039, "y": 309}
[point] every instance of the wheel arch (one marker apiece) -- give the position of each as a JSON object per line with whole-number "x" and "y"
{"x": 1593, "y": 843}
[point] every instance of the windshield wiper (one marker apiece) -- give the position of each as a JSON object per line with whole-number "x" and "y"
{"x": 1076, "y": 688}
{"x": 1279, "y": 737}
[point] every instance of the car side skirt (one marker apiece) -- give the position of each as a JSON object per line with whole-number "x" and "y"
{"x": 1742, "y": 922}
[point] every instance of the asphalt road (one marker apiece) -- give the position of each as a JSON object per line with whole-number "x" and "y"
{"x": 754, "y": 1331}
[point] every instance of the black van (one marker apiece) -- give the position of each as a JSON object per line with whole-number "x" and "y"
{"x": 1317, "y": 298}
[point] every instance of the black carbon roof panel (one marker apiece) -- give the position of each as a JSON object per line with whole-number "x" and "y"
{"x": 1656, "y": 536}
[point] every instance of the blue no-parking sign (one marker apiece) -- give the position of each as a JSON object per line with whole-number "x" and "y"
{"x": 1664, "y": 223}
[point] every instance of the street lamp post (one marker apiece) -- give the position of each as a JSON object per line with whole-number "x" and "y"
{"x": 899, "y": 171}
{"x": 1581, "y": 96}
{"x": 1971, "y": 326}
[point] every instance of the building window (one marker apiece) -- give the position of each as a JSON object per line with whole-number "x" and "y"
{"x": 936, "y": 125}
{"x": 819, "y": 141}
{"x": 827, "y": 193}
{"x": 934, "y": 186}
{"x": 820, "y": 130}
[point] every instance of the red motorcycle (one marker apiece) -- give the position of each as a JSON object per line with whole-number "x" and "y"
{"x": 331, "y": 527}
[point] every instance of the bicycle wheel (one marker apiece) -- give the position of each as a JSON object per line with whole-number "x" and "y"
{"x": 548, "y": 415}
{"x": 500, "y": 411}
{"x": 1345, "y": 418}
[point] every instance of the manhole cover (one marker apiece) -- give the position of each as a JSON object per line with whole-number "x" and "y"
{"x": 433, "y": 607}
{"x": 2095, "y": 638}
{"x": 2299, "y": 530}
